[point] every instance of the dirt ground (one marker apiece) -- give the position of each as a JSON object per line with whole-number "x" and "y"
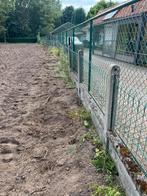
{"x": 40, "y": 152}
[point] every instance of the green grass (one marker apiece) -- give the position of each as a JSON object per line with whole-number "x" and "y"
{"x": 63, "y": 66}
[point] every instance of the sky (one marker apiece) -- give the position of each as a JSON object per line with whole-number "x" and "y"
{"x": 86, "y": 4}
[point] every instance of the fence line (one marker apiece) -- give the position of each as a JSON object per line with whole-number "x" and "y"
{"x": 117, "y": 36}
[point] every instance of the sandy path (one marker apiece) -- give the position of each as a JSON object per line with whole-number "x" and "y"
{"x": 37, "y": 156}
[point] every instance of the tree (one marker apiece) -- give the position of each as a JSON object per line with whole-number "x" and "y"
{"x": 18, "y": 21}
{"x": 5, "y": 7}
{"x": 21, "y": 18}
{"x": 101, "y": 5}
{"x": 49, "y": 12}
{"x": 79, "y": 16}
{"x": 66, "y": 16}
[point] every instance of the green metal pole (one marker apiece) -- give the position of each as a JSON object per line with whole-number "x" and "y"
{"x": 73, "y": 39}
{"x": 62, "y": 38}
{"x": 66, "y": 38}
{"x": 73, "y": 49}
{"x": 90, "y": 54}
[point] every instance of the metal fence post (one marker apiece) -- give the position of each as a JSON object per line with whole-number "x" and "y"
{"x": 73, "y": 39}
{"x": 112, "y": 98}
{"x": 66, "y": 38}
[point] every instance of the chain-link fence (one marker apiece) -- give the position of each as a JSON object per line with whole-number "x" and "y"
{"x": 116, "y": 36}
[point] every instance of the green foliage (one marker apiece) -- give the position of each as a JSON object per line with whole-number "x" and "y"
{"x": 79, "y": 16}
{"x": 5, "y": 7}
{"x": 103, "y": 161}
{"x": 71, "y": 149}
{"x": 92, "y": 136}
{"x": 63, "y": 66}
{"x": 28, "y": 17}
{"x": 106, "y": 191}
{"x": 22, "y": 40}
{"x": 101, "y": 5}
{"x": 55, "y": 51}
{"x": 83, "y": 115}
{"x": 67, "y": 14}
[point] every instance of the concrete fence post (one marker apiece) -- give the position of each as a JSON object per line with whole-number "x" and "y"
{"x": 80, "y": 69}
{"x": 69, "y": 57}
{"x": 112, "y": 98}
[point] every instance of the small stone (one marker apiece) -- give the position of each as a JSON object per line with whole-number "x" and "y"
{"x": 61, "y": 162}
{"x": 48, "y": 181}
{"x": 39, "y": 153}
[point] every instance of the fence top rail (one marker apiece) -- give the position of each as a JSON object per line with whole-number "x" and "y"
{"x": 105, "y": 12}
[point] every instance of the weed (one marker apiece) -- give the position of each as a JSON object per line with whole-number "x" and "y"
{"x": 103, "y": 161}
{"x": 106, "y": 191}
{"x": 83, "y": 115}
{"x": 71, "y": 149}
{"x": 63, "y": 66}
{"x": 55, "y": 51}
{"x": 92, "y": 136}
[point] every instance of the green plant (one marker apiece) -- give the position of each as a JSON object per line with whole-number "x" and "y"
{"x": 55, "y": 51}
{"x": 71, "y": 149}
{"x": 103, "y": 161}
{"x": 91, "y": 136}
{"x": 83, "y": 115}
{"x": 63, "y": 66}
{"x": 106, "y": 191}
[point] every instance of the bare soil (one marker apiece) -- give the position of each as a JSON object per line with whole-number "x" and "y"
{"x": 40, "y": 151}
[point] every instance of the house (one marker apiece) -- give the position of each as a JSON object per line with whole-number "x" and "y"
{"x": 122, "y": 34}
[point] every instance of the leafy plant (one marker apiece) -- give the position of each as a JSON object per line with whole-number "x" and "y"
{"x": 83, "y": 115}
{"x": 63, "y": 66}
{"x": 106, "y": 191}
{"x": 103, "y": 161}
{"x": 92, "y": 136}
{"x": 64, "y": 69}
{"x": 71, "y": 149}
{"x": 55, "y": 51}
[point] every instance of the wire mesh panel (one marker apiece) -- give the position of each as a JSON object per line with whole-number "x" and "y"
{"x": 120, "y": 38}
{"x": 131, "y": 118}
{"x": 85, "y": 74}
{"x": 73, "y": 56}
{"x": 99, "y": 84}
{"x": 82, "y": 42}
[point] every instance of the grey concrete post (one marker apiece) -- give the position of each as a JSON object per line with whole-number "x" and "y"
{"x": 80, "y": 69}
{"x": 69, "y": 57}
{"x": 80, "y": 66}
{"x": 112, "y": 97}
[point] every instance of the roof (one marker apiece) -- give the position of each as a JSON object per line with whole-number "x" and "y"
{"x": 131, "y": 10}
{"x": 134, "y": 9}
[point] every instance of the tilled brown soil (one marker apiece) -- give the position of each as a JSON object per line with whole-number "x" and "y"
{"x": 40, "y": 152}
